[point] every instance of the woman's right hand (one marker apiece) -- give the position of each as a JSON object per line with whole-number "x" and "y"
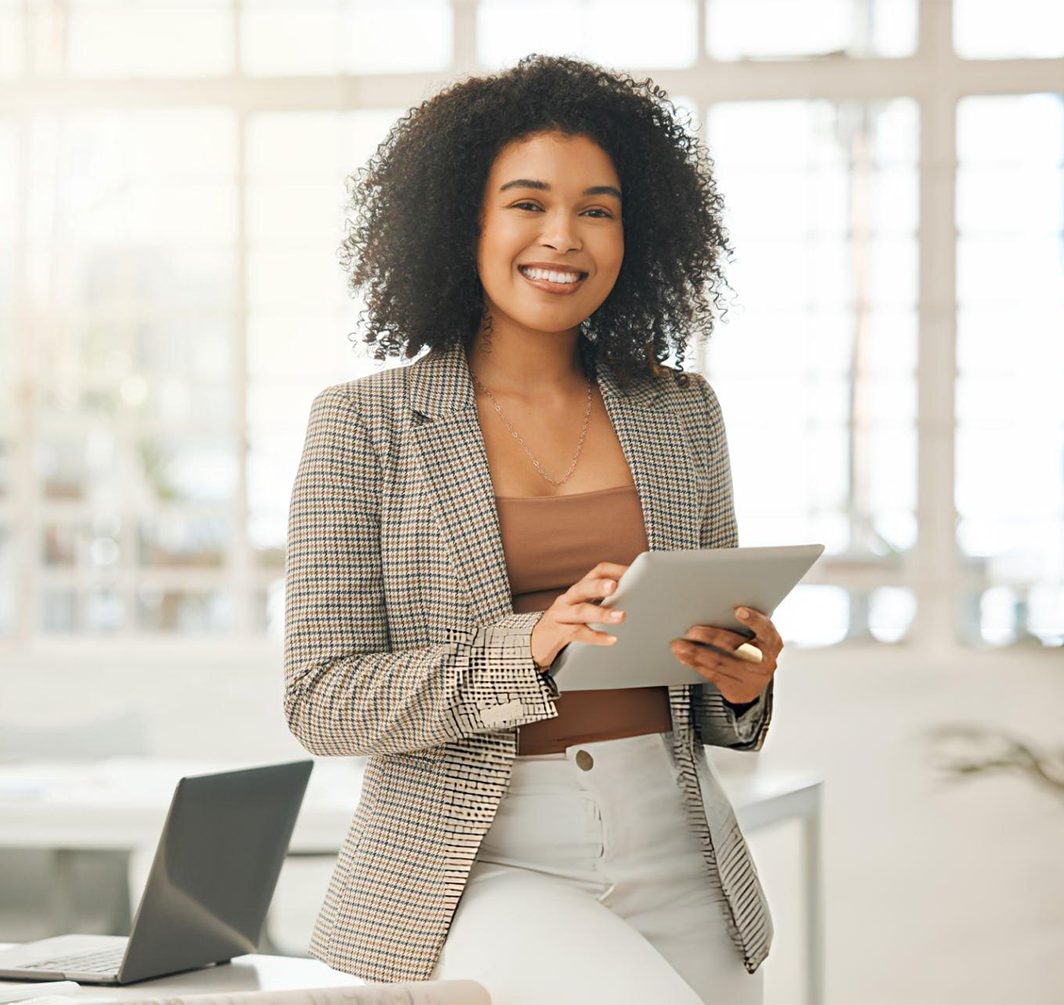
{"x": 566, "y": 620}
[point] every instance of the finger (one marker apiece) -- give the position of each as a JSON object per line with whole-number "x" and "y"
{"x": 769, "y": 639}
{"x": 746, "y": 653}
{"x": 722, "y": 637}
{"x": 727, "y": 667}
{"x": 757, "y": 622}
{"x": 585, "y": 633}
{"x": 719, "y": 675}
{"x": 707, "y": 662}
{"x": 614, "y": 569}
{"x": 595, "y": 613}
{"x": 602, "y": 572}
{"x": 708, "y": 672}
{"x": 596, "y": 588}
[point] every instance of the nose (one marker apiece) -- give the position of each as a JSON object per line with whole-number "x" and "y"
{"x": 559, "y": 234}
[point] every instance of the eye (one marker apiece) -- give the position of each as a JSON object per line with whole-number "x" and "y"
{"x": 606, "y": 214}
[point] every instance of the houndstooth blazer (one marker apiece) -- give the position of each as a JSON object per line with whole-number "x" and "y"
{"x": 401, "y": 644}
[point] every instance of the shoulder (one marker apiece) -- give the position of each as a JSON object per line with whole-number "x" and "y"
{"x": 369, "y": 398}
{"x": 379, "y": 385}
{"x": 695, "y": 393}
{"x": 368, "y": 414}
{"x": 696, "y": 404}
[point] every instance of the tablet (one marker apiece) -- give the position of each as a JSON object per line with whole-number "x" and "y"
{"x": 664, "y": 593}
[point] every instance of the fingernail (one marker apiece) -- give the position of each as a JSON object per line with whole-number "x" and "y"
{"x": 743, "y": 613}
{"x": 615, "y": 615}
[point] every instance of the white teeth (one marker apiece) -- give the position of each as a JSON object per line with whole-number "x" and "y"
{"x": 553, "y": 277}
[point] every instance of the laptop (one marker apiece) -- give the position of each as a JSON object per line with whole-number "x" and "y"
{"x": 211, "y": 882}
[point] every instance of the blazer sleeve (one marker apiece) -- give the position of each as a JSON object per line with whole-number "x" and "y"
{"x": 346, "y": 692}
{"x": 717, "y": 722}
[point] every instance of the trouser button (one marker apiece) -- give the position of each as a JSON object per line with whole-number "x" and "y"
{"x": 584, "y": 760}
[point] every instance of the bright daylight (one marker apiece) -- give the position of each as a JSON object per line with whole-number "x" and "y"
{"x": 532, "y": 503}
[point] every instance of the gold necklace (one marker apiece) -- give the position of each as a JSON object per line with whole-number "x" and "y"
{"x": 513, "y": 432}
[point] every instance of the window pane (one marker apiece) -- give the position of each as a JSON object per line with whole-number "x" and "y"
{"x": 820, "y": 203}
{"x": 183, "y": 612}
{"x": 150, "y": 38}
{"x": 267, "y": 30}
{"x": 995, "y": 29}
{"x": 186, "y": 540}
{"x": 12, "y": 44}
{"x": 813, "y": 616}
{"x": 269, "y": 610}
{"x": 179, "y": 468}
{"x": 106, "y": 611}
{"x": 60, "y": 611}
{"x": 1006, "y": 615}
{"x": 628, "y": 33}
{"x": 70, "y": 467}
{"x": 11, "y": 204}
{"x": 299, "y": 311}
{"x": 89, "y": 543}
{"x": 743, "y": 29}
{"x": 98, "y": 611}
{"x": 7, "y": 449}
{"x": 355, "y": 36}
{"x": 132, "y": 220}
{"x": 1009, "y": 482}
{"x": 8, "y": 611}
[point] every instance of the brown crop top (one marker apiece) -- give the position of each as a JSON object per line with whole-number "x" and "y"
{"x": 551, "y": 542}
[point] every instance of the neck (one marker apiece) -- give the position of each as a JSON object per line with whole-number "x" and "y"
{"x": 528, "y": 364}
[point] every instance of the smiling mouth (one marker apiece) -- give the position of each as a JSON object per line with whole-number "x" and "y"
{"x": 553, "y": 287}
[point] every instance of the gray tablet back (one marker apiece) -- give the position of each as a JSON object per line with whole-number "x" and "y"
{"x": 663, "y": 594}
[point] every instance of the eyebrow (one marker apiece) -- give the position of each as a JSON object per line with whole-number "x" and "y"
{"x": 544, "y": 187}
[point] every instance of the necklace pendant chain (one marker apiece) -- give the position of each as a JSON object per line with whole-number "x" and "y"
{"x": 514, "y": 434}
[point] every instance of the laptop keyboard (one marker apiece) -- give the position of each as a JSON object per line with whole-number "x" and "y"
{"x": 104, "y": 961}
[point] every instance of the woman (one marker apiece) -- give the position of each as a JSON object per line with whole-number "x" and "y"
{"x": 550, "y": 232}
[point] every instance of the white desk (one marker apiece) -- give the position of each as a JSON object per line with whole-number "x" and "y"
{"x": 121, "y": 804}
{"x": 245, "y": 973}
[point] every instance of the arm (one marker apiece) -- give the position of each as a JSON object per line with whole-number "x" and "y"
{"x": 717, "y": 721}
{"x": 346, "y": 693}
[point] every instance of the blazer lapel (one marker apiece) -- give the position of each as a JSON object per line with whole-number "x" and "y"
{"x": 449, "y": 440}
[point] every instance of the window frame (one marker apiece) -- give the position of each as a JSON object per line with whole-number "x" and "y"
{"x": 934, "y": 76}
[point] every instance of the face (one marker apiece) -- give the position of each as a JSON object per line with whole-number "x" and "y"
{"x": 550, "y": 199}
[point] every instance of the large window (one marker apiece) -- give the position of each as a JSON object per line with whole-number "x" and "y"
{"x": 817, "y": 372}
{"x": 1010, "y": 362}
{"x": 172, "y": 177}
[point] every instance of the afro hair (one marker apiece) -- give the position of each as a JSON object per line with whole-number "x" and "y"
{"x": 412, "y": 217}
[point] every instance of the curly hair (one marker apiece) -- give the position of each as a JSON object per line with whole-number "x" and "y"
{"x": 413, "y": 212}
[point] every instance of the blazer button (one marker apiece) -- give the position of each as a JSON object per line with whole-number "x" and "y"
{"x": 584, "y": 760}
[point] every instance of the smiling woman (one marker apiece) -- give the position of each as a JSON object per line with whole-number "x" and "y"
{"x": 558, "y": 215}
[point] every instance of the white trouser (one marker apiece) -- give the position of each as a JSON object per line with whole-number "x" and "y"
{"x": 590, "y": 888}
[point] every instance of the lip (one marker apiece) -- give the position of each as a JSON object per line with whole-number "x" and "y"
{"x": 556, "y": 288}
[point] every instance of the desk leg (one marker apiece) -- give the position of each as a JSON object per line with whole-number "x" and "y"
{"x": 814, "y": 905}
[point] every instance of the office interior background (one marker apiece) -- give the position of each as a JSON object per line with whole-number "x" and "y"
{"x": 890, "y": 371}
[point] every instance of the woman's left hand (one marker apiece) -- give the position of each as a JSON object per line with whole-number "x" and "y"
{"x": 737, "y": 678}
